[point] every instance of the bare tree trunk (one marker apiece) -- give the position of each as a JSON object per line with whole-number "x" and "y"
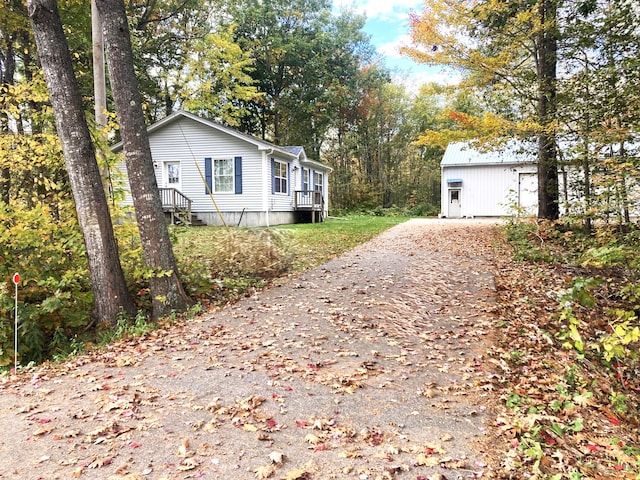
{"x": 111, "y": 298}
{"x": 547, "y": 58}
{"x": 99, "y": 80}
{"x": 166, "y": 288}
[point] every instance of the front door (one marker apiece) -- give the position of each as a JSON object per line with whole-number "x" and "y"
{"x": 171, "y": 175}
{"x": 454, "y": 210}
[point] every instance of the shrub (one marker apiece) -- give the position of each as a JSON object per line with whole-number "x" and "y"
{"x": 55, "y": 295}
{"x": 216, "y": 262}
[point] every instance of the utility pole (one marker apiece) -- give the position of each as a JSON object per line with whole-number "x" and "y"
{"x": 100, "y": 92}
{"x": 99, "y": 81}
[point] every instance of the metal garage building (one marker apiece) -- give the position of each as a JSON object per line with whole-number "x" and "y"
{"x": 488, "y": 184}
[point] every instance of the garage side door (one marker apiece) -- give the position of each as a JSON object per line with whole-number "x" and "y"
{"x": 528, "y": 193}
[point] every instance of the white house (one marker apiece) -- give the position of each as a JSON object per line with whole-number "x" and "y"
{"x": 488, "y": 184}
{"x": 212, "y": 174}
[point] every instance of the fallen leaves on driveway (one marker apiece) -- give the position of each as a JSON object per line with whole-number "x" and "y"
{"x": 373, "y": 366}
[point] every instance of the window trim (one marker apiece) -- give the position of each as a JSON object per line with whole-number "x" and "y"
{"x": 280, "y": 168}
{"x": 318, "y": 175}
{"x": 231, "y": 176}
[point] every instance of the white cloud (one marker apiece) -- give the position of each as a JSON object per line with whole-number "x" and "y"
{"x": 392, "y": 49}
{"x": 414, "y": 78}
{"x": 394, "y": 15}
{"x": 381, "y": 9}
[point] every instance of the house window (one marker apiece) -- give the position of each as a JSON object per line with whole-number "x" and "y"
{"x": 223, "y": 175}
{"x": 173, "y": 173}
{"x": 318, "y": 181}
{"x": 305, "y": 179}
{"x": 280, "y": 177}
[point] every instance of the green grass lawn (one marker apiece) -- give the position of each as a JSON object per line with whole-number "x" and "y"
{"x": 222, "y": 263}
{"x": 314, "y": 244}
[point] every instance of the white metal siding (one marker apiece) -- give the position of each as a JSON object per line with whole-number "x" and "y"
{"x": 487, "y": 190}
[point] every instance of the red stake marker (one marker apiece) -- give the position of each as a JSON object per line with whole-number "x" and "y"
{"x": 16, "y": 281}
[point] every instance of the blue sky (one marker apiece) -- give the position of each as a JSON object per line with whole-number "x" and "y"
{"x": 388, "y": 25}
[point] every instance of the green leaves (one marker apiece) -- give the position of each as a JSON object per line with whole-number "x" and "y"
{"x": 55, "y": 294}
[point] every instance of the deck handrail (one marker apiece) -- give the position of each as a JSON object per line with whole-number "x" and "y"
{"x": 174, "y": 202}
{"x": 309, "y": 199}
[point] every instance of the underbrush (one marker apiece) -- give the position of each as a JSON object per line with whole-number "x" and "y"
{"x": 417, "y": 210}
{"x": 223, "y": 264}
{"x": 569, "y": 355}
{"x": 217, "y": 265}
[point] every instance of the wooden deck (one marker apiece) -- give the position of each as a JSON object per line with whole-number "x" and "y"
{"x": 176, "y": 205}
{"x": 311, "y": 201}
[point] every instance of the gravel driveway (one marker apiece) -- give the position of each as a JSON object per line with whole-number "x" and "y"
{"x": 368, "y": 367}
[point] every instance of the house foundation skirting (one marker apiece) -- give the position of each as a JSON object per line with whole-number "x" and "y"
{"x": 246, "y": 219}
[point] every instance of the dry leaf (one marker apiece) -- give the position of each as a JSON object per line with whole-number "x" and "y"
{"x": 188, "y": 464}
{"x": 350, "y": 454}
{"x": 427, "y": 461}
{"x": 100, "y": 462}
{"x": 264, "y": 471}
{"x": 43, "y": 430}
{"x": 392, "y": 450}
{"x": 312, "y": 439}
{"x": 183, "y": 450}
{"x": 125, "y": 361}
{"x": 455, "y": 464}
{"x": 296, "y": 474}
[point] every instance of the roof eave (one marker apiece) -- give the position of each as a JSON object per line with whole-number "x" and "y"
{"x": 487, "y": 164}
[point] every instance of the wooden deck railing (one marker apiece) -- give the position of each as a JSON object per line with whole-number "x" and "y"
{"x": 310, "y": 200}
{"x": 176, "y": 204}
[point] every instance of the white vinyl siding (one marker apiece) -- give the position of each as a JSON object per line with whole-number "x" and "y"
{"x": 238, "y": 171}
{"x": 192, "y": 142}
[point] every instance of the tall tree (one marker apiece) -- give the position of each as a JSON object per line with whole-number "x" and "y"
{"x": 163, "y": 35}
{"x": 546, "y": 59}
{"x": 510, "y": 47}
{"x": 304, "y": 56}
{"x": 166, "y": 288}
{"x": 216, "y": 82}
{"x": 600, "y": 112}
{"x": 111, "y": 298}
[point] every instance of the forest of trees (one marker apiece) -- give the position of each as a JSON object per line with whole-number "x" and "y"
{"x": 296, "y": 72}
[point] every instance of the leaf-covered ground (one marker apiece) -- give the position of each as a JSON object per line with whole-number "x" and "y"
{"x": 417, "y": 355}
{"x": 566, "y": 414}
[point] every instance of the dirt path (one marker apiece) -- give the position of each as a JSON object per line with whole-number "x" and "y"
{"x": 368, "y": 367}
